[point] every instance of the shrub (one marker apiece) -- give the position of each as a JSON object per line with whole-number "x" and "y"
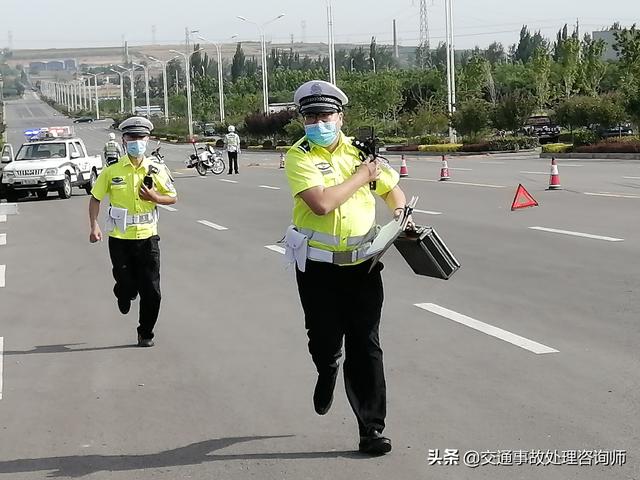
{"x": 584, "y": 137}
{"x": 557, "y": 148}
{"x": 219, "y": 143}
{"x": 280, "y": 143}
{"x": 513, "y": 143}
{"x": 268, "y": 144}
{"x": 610, "y": 147}
{"x": 430, "y": 140}
{"x": 403, "y": 148}
{"x": 443, "y": 147}
{"x": 475, "y": 147}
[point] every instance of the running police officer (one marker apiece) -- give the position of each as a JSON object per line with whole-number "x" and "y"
{"x": 135, "y": 185}
{"x": 112, "y": 151}
{"x": 333, "y": 221}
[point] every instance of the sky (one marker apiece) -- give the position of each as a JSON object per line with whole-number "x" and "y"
{"x": 91, "y": 23}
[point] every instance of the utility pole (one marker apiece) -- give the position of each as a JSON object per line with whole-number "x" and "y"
{"x": 395, "y": 40}
{"x": 425, "y": 49}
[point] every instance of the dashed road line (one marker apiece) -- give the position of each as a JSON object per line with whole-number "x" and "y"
{"x": 492, "y": 163}
{"x": 228, "y": 181}
{"x": 536, "y": 173}
{"x": 577, "y": 234}
{"x": 3, "y": 218}
{"x": 427, "y": 212}
{"x": 168, "y": 208}
{"x": 3, "y": 269}
{"x": 456, "y": 183}
{"x": 461, "y": 169}
{"x": 8, "y": 208}
{"x": 496, "y": 332}
{"x": 632, "y": 178}
{"x": 275, "y": 248}
{"x": 212, "y": 225}
{"x": 1, "y": 355}
{"x": 615, "y": 195}
{"x": 269, "y": 187}
{"x": 3, "y": 238}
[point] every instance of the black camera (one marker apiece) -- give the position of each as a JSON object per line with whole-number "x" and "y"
{"x": 366, "y": 142}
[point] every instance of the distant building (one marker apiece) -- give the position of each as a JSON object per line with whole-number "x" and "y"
{"x": 70, "y": 64}
{"x": 609, "y": 39}
{"x": 55, "y": 66}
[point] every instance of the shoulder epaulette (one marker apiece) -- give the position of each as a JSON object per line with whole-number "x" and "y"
{"x": 304, "y": 146}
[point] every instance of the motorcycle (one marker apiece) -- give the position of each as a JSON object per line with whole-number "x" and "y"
{"x": 204, "y": 159}
{"x": 160, "y": 159}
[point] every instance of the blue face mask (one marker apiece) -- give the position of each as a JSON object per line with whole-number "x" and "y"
{"x": 136, "y": 148}
{"x": 322, "y": 133}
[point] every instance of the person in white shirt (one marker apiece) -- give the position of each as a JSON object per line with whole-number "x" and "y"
{"x": 232, "y": 144}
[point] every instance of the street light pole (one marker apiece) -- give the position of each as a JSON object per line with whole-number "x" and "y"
{"x": 187, "y": 61}
{"x": 265, "y": 79}
{"x": 220, "y": 76}
{"x": 332, "y": 51}
{"x": 164, "y": 84}
{"x": 451, "y": 66}
{"x": 146, "y": 85}
{"x": 120, "y": 74}
{"x": 97, "y": 100}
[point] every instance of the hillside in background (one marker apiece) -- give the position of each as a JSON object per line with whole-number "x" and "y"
{"x": 114, "y": 55}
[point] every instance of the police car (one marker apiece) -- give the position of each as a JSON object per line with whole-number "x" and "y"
{"x": 52, "y": 159}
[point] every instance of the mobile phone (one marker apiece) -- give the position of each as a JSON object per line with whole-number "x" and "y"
{"x": 148, "y": 181}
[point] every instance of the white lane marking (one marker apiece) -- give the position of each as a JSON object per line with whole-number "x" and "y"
{"x": 275, "y": 248}
{"x": 228, "y": 181}
{"x": 632, "y": 178}
{"x": 455, "y": 183}
{"x": 269, "y": 187}
{"x": 496, "y": 332}
{"x": 168, "y": 208}
{"x": 492, "y": 163}
{"x": 178, "y": 173}
{"x": 428, "y": 212}
{"x": 461, "y": 169}
{"x": 1, "y": 353}
{"x": 3, "y": 238}
{"x": 8, "y": 208}
{"x": 3, "y": 269}
{"x": 578, "y": 234}
{"x": 616, "y": 195}
{"x": 212, "y": 225}
{"x": 3, "y": 218}
{"x": 537, "y": 173}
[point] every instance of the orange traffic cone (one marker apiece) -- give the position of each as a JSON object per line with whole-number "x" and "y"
{"x": 403, "y": 168}
{"x": 444, "y": 171}
{"x": 554, "y": 179}
{"x": 281, "y": 160}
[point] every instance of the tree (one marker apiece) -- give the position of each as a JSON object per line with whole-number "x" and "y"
{"x": 593, "y": 66}
{"x": 495, "y": 53}
{"x": 541, "y": 68}
{"x": 472, "y": 117}
{"x": 569, "y": 59}
{"x": 528, "y": 44}
{"x": 512, "y": 110}
{"x": 237, "y": 66}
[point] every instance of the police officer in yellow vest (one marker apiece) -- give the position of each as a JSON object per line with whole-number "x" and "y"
{"x": 333, "y": 221}
{"x": 135, "y": 185}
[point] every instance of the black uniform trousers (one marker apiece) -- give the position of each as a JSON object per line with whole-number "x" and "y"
{"x": 345, "y": 302}
{"x": 233, "y": 161}
{"x": 136, "y": 270}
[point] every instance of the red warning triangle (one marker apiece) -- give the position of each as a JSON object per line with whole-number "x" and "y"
{"x": 523, "y": 199}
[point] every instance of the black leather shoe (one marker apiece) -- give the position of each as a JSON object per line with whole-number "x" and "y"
{"x": 145, "y": 342}
{"x": 374, "y": 444}
{"x": 124, "y": 305}
{"x": 323, "y": 393}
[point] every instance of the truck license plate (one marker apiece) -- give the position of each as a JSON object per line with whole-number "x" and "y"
{"x": 30, "y": 181}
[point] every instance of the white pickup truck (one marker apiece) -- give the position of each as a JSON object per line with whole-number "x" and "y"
{"x": 49, "y": 163}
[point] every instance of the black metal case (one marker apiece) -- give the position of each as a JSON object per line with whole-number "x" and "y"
{"x": 426, "y": 253}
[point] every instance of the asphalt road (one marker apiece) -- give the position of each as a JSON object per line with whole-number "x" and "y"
{"x": 226, "y": 391}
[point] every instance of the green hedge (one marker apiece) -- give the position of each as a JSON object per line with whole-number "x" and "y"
{"x": 557, "y": 148}
{"x": 502, "y": 144}
{"x": 445, "y": 147}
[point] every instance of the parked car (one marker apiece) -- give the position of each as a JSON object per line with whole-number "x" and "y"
{"x": 209, "y": 130}
{"x": 620, "y": 130}
{"x": 83, "y": 120}
{"x": 542, "y": 127}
